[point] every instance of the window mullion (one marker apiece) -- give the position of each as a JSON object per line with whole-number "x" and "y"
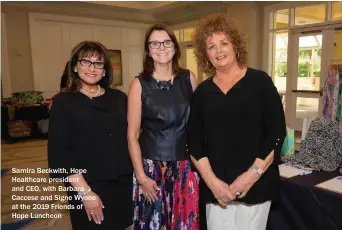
{"x": 328, "y": 11}
{"x": 181, "y": 35}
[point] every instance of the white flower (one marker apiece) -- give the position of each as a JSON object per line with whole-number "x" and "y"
{"x": 154, "y": 224}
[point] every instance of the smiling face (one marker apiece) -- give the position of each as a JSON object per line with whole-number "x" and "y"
{"x": 90, "y": 69}
{"x": 165, "y": 51}
{"x": 220, "y": 50}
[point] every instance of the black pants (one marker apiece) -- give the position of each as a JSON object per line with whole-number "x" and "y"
{"x": 116, "y": 196}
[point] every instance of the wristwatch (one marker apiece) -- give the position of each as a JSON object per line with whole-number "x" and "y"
{"x": 257, "y": 170}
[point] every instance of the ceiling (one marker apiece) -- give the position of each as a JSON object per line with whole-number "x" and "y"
{"x": 141, "y": 5}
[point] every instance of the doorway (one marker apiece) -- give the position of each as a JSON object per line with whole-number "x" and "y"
{"x": 306, "y": 76}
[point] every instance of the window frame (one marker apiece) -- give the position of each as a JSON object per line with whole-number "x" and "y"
{"x": 269, "y": 31}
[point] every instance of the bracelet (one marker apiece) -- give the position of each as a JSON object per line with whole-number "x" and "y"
{"x": 85, "y": 191}
{"x": 257, "y": 170}
{"x": 143, "y": 182}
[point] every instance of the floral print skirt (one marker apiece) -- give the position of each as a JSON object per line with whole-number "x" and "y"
{"x": 177, "y": 204}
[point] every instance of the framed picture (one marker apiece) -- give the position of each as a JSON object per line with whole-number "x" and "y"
{"x": 115, "y": 59}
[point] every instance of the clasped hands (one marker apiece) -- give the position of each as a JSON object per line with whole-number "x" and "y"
{"x": 225, "y": 193}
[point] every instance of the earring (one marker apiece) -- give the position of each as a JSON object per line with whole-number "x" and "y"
{"x": 104, "y": 73}
{"x": 75, "y": 70}
{"x": 208, "y": 64}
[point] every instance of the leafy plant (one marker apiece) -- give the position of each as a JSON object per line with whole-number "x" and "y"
{"x": 281, "y": 69}
{"x": 28, "y": 97}
{"x": 303, "y": 69}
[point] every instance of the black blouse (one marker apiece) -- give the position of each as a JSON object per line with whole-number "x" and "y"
{"x": 233, "y": 130}
{"x": 90, "y": 134}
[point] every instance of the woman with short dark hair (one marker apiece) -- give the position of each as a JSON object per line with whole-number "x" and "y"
{"x": 64, "y": 78}
{"x": 88, "y": 131}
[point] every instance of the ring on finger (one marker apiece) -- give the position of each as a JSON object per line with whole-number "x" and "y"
{"x": 147, "y": 197}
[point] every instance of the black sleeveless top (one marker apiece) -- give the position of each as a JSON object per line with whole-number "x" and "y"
{"x": 165, "y": 114}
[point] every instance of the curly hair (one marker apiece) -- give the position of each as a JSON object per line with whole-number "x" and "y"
{"x": 216, "y": 23}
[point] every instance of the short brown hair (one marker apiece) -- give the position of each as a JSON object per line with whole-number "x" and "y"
{"x": 216, "y": 23}
{"x": 148, "y": 67}
{"x": 89, "y": 49}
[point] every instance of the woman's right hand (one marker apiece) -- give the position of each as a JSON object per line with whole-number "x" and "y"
{"x": 93, "y": 206}
{"x": 222, "y": 192}
{"x": 150, "y": 189}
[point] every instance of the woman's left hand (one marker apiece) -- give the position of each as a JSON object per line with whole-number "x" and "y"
{"x": 93, "y": 206}
{"x": 244, "y": 182}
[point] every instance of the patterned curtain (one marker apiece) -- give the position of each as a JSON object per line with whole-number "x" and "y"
{"x": 332, "y": 94}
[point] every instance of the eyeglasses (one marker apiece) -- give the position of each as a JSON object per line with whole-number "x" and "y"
{"x": 87, "y": 63}
{"x": 157, "y": 44}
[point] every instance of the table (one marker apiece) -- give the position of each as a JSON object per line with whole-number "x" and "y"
{"x": 302, "y": 206}
{"x": 29, "y": 113}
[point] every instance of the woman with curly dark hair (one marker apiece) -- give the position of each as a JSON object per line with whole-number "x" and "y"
{"x": 236, "y": 130}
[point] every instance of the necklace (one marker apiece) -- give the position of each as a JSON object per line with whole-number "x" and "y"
{"x": 154, "y": 76}
{"x": 91, "y": 95}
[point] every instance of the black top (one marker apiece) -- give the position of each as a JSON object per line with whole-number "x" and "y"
{"x": 165, "y": 114}
{"x": 90, "y": 134}
{"x": 233, "y": 130}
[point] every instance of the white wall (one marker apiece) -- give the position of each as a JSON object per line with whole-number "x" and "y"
{"x": 5, "y": 74}
{"x": 54, "y": 36}
{"x": 249, "y": 19}
{"x": 20, "y": 69}
{"x": 19, "y": 52}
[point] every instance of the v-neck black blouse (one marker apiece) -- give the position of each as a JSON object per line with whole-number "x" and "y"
{"x": 234, "y": 129}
